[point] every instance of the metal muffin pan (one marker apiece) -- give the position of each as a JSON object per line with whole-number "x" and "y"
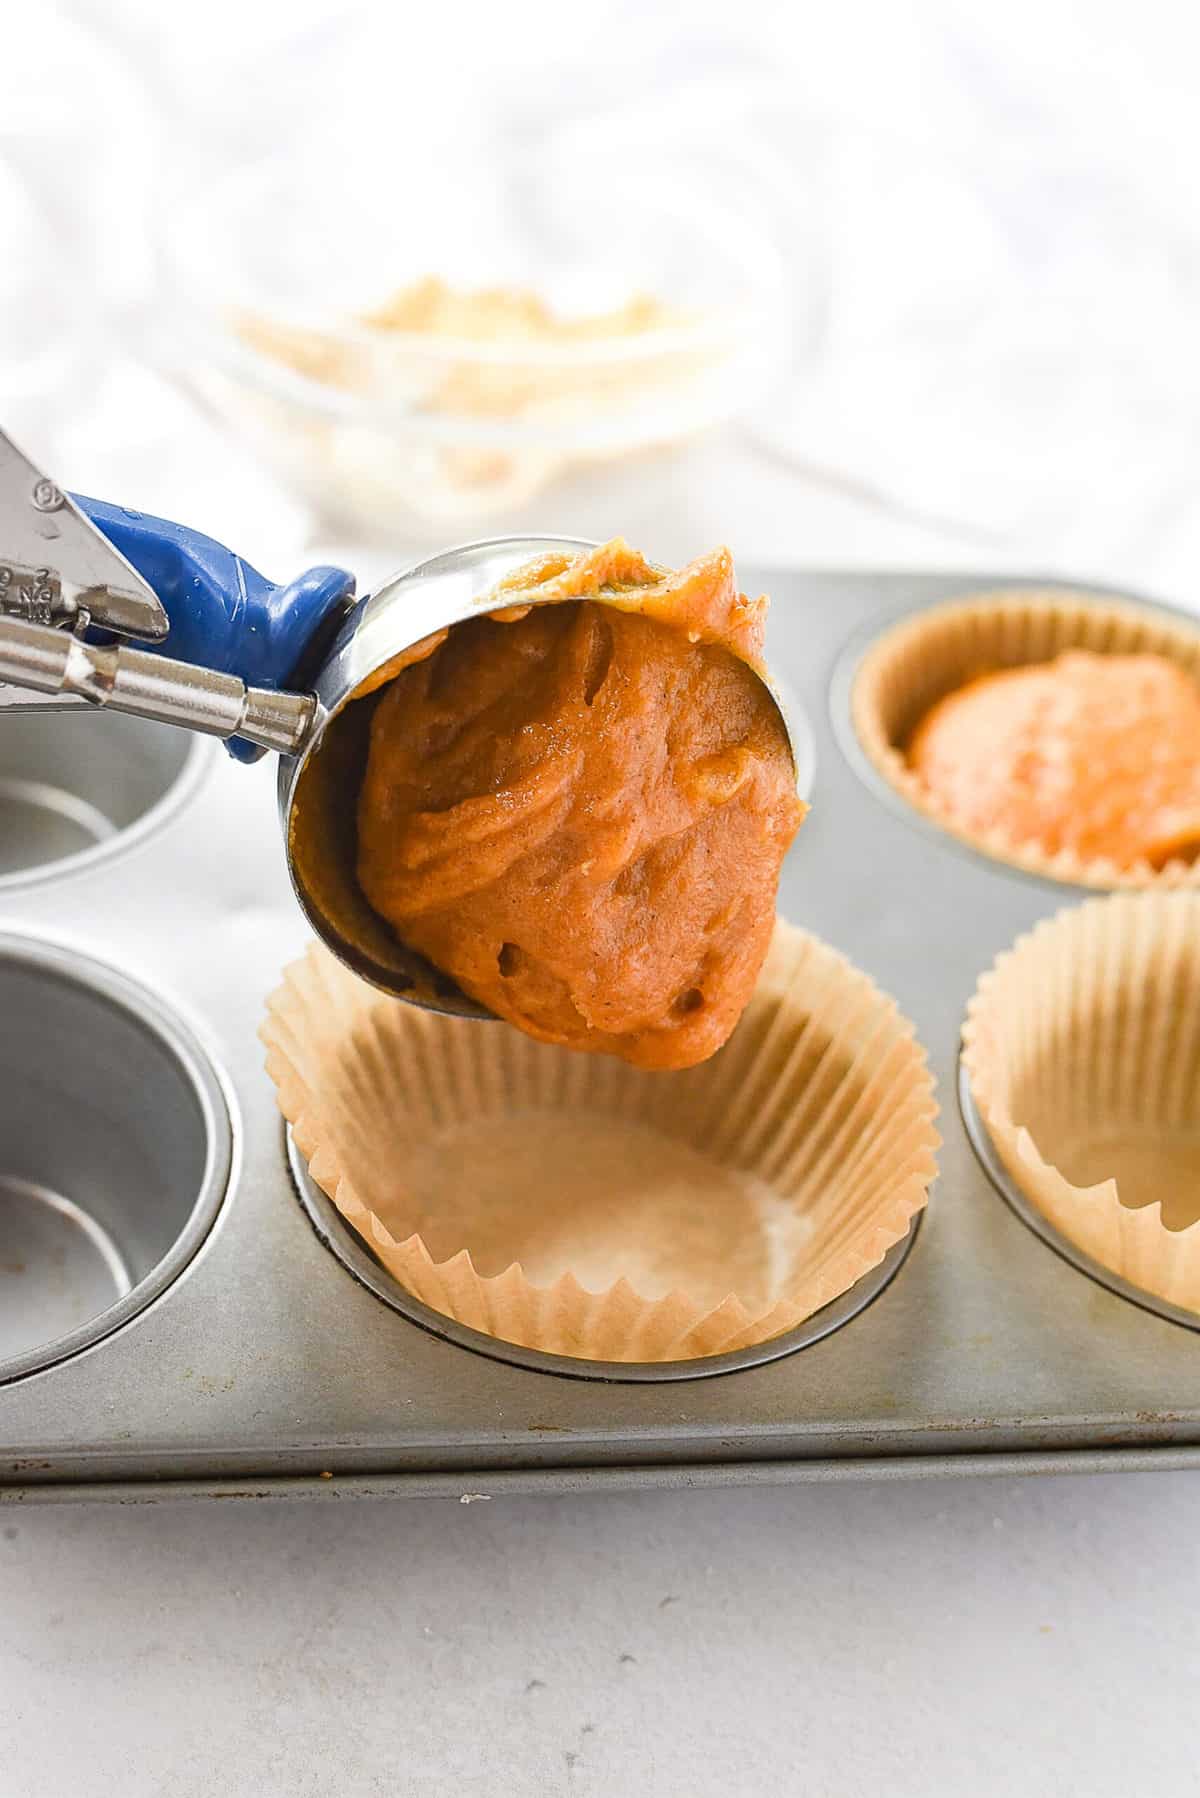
{"x": 115, "y": 1152}
{"x": 263, "y": 1366}
{"x": 77, "y": 787}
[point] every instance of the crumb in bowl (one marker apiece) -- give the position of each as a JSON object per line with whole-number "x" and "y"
{"x": 501, "y": 352}
{"x": 517, "y": 318}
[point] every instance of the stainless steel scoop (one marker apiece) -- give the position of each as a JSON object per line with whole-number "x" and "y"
{"x": 267, "y": 667}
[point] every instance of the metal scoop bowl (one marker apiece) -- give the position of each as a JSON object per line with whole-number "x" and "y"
{"x": 317, "y": 783}
{"x": 264, "y": 666}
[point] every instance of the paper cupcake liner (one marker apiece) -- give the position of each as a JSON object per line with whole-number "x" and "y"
{"x": 573, "y": 1204}
{"x": 919, "y": 661}
{"x": 1082, "y": 1045}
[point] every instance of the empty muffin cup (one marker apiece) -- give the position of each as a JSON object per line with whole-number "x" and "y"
{"x": 933, "y": 653}
{"x": 77, "y": 786}
{"x": 575, "y": 1205}
{"x": 115, "y": 1149}
{"x": 1082, "y": 1053}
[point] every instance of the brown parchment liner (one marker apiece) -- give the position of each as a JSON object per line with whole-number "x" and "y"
{"x": 822, "y": 1093}
{"x": 1082, "y": 1045}
{"x": 918, "y": 661}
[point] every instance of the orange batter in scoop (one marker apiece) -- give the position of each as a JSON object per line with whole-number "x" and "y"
{"x": 1098, "y": 754}
{"x": 579, "y": 810}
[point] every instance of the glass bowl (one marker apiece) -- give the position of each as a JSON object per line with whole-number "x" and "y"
{"x": 426, "y": 361}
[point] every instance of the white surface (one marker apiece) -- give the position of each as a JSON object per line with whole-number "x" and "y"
{"x": 1008, "y": 1637}
{"x": 989, "y": 215}
{"x": 999, "y": 1638}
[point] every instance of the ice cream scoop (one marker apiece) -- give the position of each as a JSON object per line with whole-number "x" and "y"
{"x": 93, "y": 596}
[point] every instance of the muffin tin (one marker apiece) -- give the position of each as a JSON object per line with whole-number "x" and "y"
{"x": 77, "y": 787}
{"x": 584, "y": 1208}
{"x": 251, "y": 1344}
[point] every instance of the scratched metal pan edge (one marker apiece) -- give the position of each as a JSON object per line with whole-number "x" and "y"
{"x": 504, "y": 1483}
{"x": 984, "y": 1345}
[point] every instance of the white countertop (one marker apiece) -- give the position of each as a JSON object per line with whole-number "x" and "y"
{"x": 985, "y": 1637}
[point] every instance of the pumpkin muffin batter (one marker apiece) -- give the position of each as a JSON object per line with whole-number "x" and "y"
{"x": 1099, "y": 754}
{"x": 580, "y": 810}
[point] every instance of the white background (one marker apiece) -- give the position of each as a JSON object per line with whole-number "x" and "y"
{"x": 997, "y": 209}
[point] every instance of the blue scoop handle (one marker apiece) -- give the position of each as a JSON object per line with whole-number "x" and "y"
{"x": 223, "y": 613}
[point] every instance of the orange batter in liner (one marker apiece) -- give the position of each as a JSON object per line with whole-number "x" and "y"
{"x": 580, "y": 810}
{"x": 1099, "y": 754}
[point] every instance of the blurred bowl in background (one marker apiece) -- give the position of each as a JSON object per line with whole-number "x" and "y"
{"x": 423, "y": 358}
